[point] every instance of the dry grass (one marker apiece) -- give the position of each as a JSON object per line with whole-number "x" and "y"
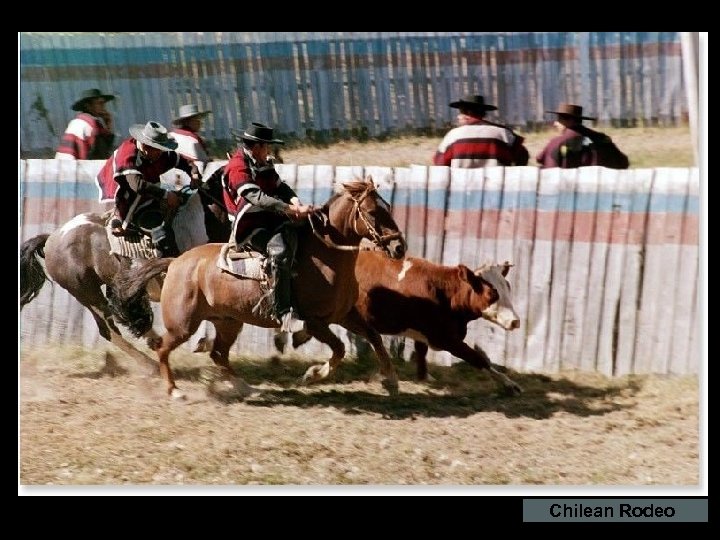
{"x": 646, "y": 147}
{"x": 83, "y": 422}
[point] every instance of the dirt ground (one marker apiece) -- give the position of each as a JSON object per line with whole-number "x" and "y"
{"x": 88, "y": 419}
{"x": 644, "y": 146}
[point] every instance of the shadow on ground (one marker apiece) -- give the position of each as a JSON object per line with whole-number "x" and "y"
{"x": 456, "y": 391}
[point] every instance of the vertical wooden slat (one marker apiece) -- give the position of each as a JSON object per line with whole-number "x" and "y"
{"x": 631, "y": 289}
{"x": 541, "y": 270}
{"x": 437, "y": 187}
{"x": 562, "y": 236}
{"x": 613, "y": 274}
{"x": 578, "y": 282}
{"x": 597, "y": 272}
{"x": 683, "y": 357}
{"x": 525, "y": 232}
{"x": 418, "y": 211}
{"x": 670, "y": 249}
{"x": 654, "y": 297}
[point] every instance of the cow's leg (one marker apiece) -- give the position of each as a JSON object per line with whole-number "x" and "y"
{"x": 322, "y": 332}
{"x": 227, "y": 332}
{"x": 476, "y": 357}
{"x": 355, "y": 323}
{"x": 420, "y": 357}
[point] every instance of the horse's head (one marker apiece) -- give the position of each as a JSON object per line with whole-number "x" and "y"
{"x": 360, "y": 212}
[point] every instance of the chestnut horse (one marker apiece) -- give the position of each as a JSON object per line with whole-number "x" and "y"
{"x": 324, "y": 288}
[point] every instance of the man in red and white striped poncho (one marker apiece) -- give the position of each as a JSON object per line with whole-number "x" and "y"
{"x": 477, "y": 142}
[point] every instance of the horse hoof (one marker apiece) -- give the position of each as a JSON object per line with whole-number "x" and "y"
{"x": 280, "y": 341}
{"x": 513, "y": 390}
{"x": 314, "y": 374}
{"x": 300, "y": 338}
{"x": 154, "y": 343}
{"x": 177, "y": 395}
{"x": 243, "y": 389}
{"x": 391, "y": 387}
{"x": 203, "y": 345}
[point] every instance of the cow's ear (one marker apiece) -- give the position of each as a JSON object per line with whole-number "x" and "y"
{"x": 476, "y": 282}
{"x": 465, "y": 274}
{"x": 506, "y": 268}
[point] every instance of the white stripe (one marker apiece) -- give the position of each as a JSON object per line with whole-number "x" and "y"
{"x": 77, "y": 221}
{"x": 405, "y": 267}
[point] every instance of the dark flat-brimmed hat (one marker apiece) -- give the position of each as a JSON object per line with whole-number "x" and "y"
{"x": 90, "y": 94}
{"x": 568, "y": 109}
{"x": 473, "y": 103}
{"x": 256, "y": 132}
{"x": 153, "y": 134}
{"x": 188, "y": 111}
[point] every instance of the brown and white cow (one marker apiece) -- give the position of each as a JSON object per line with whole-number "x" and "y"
{"x": 431, "y": 304}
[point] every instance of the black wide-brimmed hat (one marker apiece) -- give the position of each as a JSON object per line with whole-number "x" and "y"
{"x": 473, "y": 103}
{"x": 153, "y": 134}
{"x": 256, "y": 132}
{"x": 90, "y": 94}
{"x": 568, "y": 109}
{"x": 188, "y": 111}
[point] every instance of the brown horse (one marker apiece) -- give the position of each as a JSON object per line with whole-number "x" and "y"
{"x": 324, "y": 289}
{"x": 78, "y": 258}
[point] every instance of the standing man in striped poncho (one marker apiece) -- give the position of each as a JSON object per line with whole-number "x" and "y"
{"x": 476, "y": 142}
{"x": 90, "y": 134}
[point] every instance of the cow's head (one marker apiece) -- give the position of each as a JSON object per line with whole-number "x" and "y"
{"x": 499, "y": 309}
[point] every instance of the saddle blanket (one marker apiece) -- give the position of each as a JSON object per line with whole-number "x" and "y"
{"x": 133, "y": 245}
{"x": 243, "y": 264}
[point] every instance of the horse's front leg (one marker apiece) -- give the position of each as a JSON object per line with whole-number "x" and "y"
{"x": 322, "y": 333}
{"x": 355, "y": 323}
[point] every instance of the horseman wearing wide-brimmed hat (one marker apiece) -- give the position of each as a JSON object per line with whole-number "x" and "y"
{"x": 131, "y": 178}
{"x": 186, "y": 132}
{"x": 264, "y": 206}
{"x": 90, "y": 134}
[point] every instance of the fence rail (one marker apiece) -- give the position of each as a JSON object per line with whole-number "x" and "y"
{"x": 606, "y": 261}
{"x": 328, "y": 84}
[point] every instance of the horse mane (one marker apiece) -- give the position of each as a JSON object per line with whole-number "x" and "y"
{"x": 359, "y": 187}
{"x": 356, "y": 188}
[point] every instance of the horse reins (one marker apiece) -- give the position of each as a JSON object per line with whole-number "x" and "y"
{"x": 377, "y": 239}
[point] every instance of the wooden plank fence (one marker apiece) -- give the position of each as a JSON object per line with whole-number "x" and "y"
{"x": 606, "y": 262}
{"x": 337, "y": 84}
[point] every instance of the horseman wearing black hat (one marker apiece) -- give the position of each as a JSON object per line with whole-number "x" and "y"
{"x": 477, "y": 142}
{"x": 131, "y": 178}
{"x": 264, "y": 207}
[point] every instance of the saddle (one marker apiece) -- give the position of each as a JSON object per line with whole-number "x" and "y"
{"x": 136, "y": 242}
{"x": 243, "y": 263}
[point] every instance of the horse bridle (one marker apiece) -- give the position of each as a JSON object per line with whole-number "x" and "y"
{"x": 377, "y": 239}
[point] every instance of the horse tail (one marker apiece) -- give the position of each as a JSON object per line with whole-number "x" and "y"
{"x": 32, "y": 273}
{"x": 128, "y": 298}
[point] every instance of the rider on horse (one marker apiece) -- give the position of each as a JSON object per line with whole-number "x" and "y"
{"x": 264, "y": 206}
{"x": 131, "y": 177}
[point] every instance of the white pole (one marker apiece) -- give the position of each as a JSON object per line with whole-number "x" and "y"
{"x": 690, "y": 45}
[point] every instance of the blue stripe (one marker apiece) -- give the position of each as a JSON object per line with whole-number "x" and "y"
{"x": 457, "y": 201}
{"x": 138, "y": 56}
{"x": 60, "y": 190}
